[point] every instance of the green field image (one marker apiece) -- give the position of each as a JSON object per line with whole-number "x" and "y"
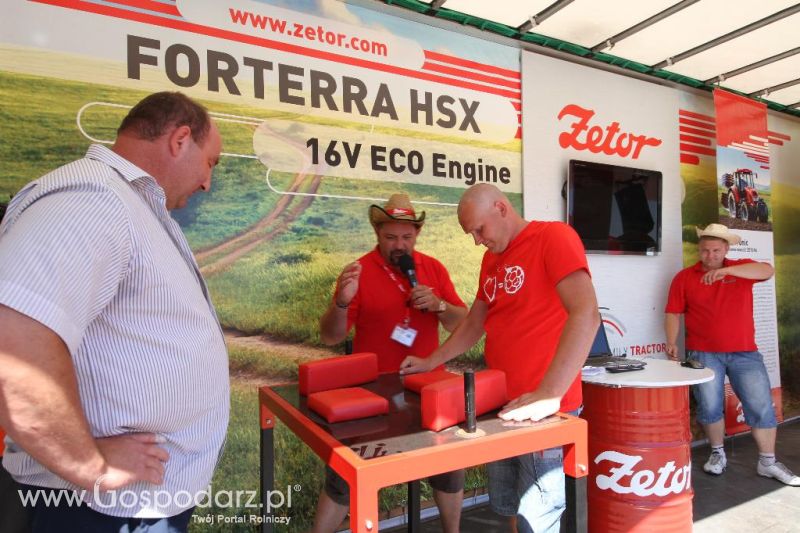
{"x": 272, "y": 279}
{"x": 701, "y": 198}
{"x": 786, "y": 234}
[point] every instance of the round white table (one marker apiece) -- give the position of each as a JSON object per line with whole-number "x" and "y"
{"x": 657, "y": 373}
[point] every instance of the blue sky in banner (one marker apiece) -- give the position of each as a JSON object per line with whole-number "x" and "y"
{"x": 730, "y": 159}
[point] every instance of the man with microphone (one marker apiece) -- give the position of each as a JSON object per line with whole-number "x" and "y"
{"x": 396, "y": 298}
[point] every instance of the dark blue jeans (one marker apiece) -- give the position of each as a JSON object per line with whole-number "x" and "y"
{"x": 66, "y": 518}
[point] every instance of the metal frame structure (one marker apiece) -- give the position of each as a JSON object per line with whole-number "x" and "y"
{"x": 599, "y": 53}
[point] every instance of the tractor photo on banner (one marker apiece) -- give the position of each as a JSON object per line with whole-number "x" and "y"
{"x": 743, "y": 170}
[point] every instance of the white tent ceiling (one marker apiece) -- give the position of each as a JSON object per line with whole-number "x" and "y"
{"x": 749, "y": 47}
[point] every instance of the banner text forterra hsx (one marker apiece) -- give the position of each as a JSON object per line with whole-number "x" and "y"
{"x": 299, "y": 86}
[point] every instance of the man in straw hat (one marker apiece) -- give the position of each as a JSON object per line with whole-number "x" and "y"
{"x": 393, "y": 319}
{"x": 716, "y": 298}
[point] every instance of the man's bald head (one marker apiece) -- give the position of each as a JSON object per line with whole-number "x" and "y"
{"x": 487, "y": 214}
{"x": 480, "y": 196}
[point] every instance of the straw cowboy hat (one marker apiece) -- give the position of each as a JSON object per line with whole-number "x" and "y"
{"x": 397, "y": 209}
{"x": 718, "y": 231}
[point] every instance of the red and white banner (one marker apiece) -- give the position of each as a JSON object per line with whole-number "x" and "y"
{"x": 745, "y": 192}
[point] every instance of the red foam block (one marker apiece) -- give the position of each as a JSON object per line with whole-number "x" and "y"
{"x": 415, "y": 382}
{"x": 338, "y": 372}
{"x": 339, "y": 405}
{"x": 442, "y": 403}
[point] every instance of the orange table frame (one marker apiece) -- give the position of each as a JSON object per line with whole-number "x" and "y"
{"x": 367, "y": 476}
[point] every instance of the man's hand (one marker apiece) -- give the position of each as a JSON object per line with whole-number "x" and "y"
{"x": 672, "y": 351}
{"x": 423, "y": 298}
{"x": 130, "y": 458}
{"x": 714, "y": 275}
{"x": 530, "y": 406}
{"x": 413, "y": 365}
{"x": 347, "y": 284}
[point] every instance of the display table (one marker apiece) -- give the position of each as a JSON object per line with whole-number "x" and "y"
{"x": 386, "y": 450}
{"x": 639, "y": 448}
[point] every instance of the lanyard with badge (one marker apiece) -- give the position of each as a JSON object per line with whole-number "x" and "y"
{"x": 403, "y": 332}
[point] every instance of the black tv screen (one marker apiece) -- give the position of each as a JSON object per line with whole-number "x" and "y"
{"x": 614, "y": 209}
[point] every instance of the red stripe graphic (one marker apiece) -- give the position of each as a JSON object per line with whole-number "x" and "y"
{"x": 697, "y": 124}
{"x": 775, "y": 141}
{"x": 696, "y": 140}
{"x": 452, "y": 71}
{"x": 693, "y": 131}
{"x": 697, "y": 149}
{"x": 275, "y": 45}
{"x": 169, "y": 9}
{"x": 780, "y": 136}
{"x": 765, "y": 168}
{"x": 453, "y": 60}
{"x": 690, "y": 159}
{"x": 691, "y": 114}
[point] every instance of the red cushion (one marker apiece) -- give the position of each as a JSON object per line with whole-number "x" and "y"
{"x": 347, "y": 404}
{"x": 415, "y": 382}
{"x": 338, "y": 372}
{"x": 443, "y": 401}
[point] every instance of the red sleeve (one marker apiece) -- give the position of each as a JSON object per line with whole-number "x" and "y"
{"x": 676, "y": 300}
{"x": 484, "y": 267}
{"x": 563, "y": 252}
{"x": 446, "y": 289}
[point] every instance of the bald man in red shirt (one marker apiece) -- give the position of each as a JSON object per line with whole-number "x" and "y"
{"x": 537, "y": 306}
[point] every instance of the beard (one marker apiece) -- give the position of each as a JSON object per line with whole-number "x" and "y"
{"x": 394, "y": 257}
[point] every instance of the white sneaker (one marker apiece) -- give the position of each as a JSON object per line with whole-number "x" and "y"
{"x": 779, "y": 472}
{"x": 716, "y": 464}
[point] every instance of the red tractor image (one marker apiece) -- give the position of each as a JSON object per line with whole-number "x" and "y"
{"x": 741, "y": 199}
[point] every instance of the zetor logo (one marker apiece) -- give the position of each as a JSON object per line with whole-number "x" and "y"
{"x": 624, "y": 479}
{"x": 597, "y": 139}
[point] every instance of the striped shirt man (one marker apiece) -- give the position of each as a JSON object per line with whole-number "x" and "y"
{"x": 90, "y": 251}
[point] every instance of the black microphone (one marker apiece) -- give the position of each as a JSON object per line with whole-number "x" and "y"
{"x": 406, "y": 264}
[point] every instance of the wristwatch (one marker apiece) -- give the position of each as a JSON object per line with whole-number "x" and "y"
{"x": 442, "y": 306}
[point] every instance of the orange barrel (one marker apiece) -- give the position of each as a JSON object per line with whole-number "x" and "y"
{"x": 639, "y": 459}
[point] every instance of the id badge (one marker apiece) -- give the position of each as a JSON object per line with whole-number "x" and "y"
{"x": 404, "y": 335}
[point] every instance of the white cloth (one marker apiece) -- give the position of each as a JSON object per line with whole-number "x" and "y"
{"x": 90, "y": 251}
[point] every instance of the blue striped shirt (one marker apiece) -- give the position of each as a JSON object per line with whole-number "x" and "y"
{"x": 90, "y": 251}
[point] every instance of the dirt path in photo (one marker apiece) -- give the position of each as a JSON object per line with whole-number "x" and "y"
{"x": 735, "y": 223}
{"x": 286, "y": 211}
{"x": 272, "y": 348}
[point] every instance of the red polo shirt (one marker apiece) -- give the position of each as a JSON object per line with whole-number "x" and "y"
{"x": 525, "y": 318}
{"x": 718, "y": 317}
{"x": 380, "y": 305}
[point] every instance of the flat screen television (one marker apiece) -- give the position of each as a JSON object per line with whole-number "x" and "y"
{"x": 615, "y": 209}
